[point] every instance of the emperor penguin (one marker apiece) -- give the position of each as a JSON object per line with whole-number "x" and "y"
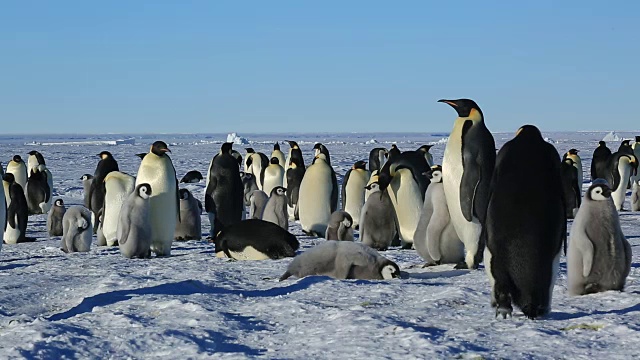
{"x": 192, "y": 177}
{"x": 636, "y": 152}
{"x": 353, "y": 190}
{"x": 427, "y": 155}
{"x": 156, "y": 169}
{"x": 294, "y": 153}
{"x": 340, "y": 227}
{"x": 34, "y": 160}
{"x": 76, "y": 229}
{"x": 134, "y": 228}
{"x": 257, "y": 202}
{"x": 577, "y": 163}
{"x": 255, "y": 239}
{"x": 223, "y": 199}
{"x": 635, "y": 196}
{"x": 342, "y": 260}
{"x": 319, "y": 148}
{"x": 236, "y": 155}
{"x": 38, "y": 191}
{"x": 275, "y": 210}
{"x": 276, "y": 153}
{"x": 189, "y": 227}
{"x": 523, "y": 247}
{"x": 599, "y": 256}
{"x": 625, "y": 147}
{"x": 17, "y": 212}
{"x": 54, "y": 218}
{"x": 599, "y": 161}
{"x": 393, "y": 152}
{"x": 435, "y": 239}
{"x": 272, "y": 176}
{"x": 377, "y": 219}
{"x": 18, "y": 168}
{"x": 254, "y": 163}
{"x": 621, "y": 166}
{"x": 250, "y": 185}
{"x": 377, "y": 158}
{"x": 401, "y": 177}
{"x": 572, "y": 193}
{"x": 87, "y": 179}
{"x": 469, "y": 159}
{"x": 106, "y": 165}
{"x": 315, "y": 202}
{"x": 3, "y": 207}
{"x": 293, "y": 178}
{"x": 372, "y": 179}
{"x": 118, "y": 186}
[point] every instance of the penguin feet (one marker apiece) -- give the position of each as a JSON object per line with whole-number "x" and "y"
{"x": 431, "y": 263}
{"x": 504, "y": 311}
{"x": 461, "y": 266}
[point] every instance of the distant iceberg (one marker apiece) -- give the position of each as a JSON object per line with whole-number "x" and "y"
{"x": 372, "y": 141}
{"x": 237, "y": 140}
{"x": 444, "y": 140}
{"x": 549, "y": 140}
{"x": 612, "y": 136}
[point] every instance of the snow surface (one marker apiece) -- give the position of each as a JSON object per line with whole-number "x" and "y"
{"x": 99, "y": 305}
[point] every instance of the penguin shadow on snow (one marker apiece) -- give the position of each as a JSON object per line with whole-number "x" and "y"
{"x": 559, "y": 315}
{"x": 426, "y": 275}
{"x": 13, "y": 266}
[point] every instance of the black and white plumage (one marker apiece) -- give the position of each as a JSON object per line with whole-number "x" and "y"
{"x": 342, "y": 260}
{"x": 54, "y": 218}
{"x": 572, "y": 193}
{"x": 191, "y": 177}
{"x": 318, "y": 196}
{"x": 377, "y": 158}
{"x": 340, "y": 226}
{"x": 275, "y": 210}
{"x": 134, "y": 229}
{"x": 424, "y": 149}
{"x": 255, "y": 239}
{"x": 599, "y": 256}
{"x": 15, "y": 230}
{"x": 106, "y": 165}
{"x": 189, "y": 227}
{"x": 353, "y": 190}
{"x": 294, "y": 177}
{"x": 38, "y": 190}
{"x": 621, "y": 166}
{"x": 76, "y": 229}
{"x": 599, "y": 161}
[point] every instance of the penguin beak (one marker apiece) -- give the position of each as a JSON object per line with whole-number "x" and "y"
{"x": 451, "y": 103}
{"x": 606, "y": 193}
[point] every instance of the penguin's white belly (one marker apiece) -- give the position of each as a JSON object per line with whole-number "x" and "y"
{"x": 248, "y": 253}
{"x": 11, "y": 235}
{"x": 407, "y": 202}
{"x": 355, "y": 194}
{"x": 624, "y": 169}
{"x": 113, "y": 204}
{"x": 272, "y": 178}
{"x": 314, "y": 202}
{"x": 45, "y": 209}
{"x": 19, "y": 173}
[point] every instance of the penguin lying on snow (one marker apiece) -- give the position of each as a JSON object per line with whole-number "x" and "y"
{"x": 191, "y": 177}
{"x": 255, "y": 239}
{"x": 342, "y": 260}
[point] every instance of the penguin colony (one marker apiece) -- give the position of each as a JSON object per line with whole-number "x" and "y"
{"x": 476, "y": 207}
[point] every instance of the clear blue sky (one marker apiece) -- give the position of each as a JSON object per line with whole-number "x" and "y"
{"x": 303, "y": 66}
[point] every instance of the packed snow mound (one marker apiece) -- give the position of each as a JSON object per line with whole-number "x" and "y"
{"x": 612, "y": 136}
{"x": 237, "y": 140}
{"x": 372, "y": 141}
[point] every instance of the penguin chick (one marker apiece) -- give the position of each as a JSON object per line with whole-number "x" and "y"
{"x": 340, "y": 227}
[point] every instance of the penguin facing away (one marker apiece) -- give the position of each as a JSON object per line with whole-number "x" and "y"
{"x": 191, "y": 177}
{"x": 54, "y": 218}
{"x": 599, "y": 161}
{"x": 572, "y": 193}
{"x": 377, "y": 158}
{"x": 523, "y": 247}
{"x": 250, "y": 185}
{"x": 340, "y": 227}
{"x": 17, "y": 214}
{"x": 117, "y": 186}
{"x": 76, "y": 229}
{"x": 342, "y": 260}
{"x": 275, "y": 210}
{"x": 18, "y": 168}
{"x": 106, "y": 165}
{"x": 393, "y": 152}
{"x": 189, "y": 227}
{"x": 294, "y": 177}
{"x": 135, "y": 228}
{"x": 255, "y": 239}
{"x": 224, "y": 193}
{"x": 353, "y": 190}
{"x": 469, "y": 159}
{"x": 577, "y": 163}
{"x": 621, "y": 166}
{"x": 87, "y": 179}
{"x": 377, "y": 225}
{"x": 599, "y": 256}
{"x": 257, "y": 202}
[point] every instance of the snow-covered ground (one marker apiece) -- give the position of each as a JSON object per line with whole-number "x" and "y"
{"x": 193, "y": 305}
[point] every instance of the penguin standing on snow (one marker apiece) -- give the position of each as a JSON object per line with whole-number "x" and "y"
{"x": 106, "y": 165}
{"x": 87, "y": 179}
{"x": 572, "y": 193}
{"x": 76, "y": 230}
{"x": 318, "y": 196}
{"x": 3, "y": 208}
{"x": 577, "y": 163}
{"x": 620, "y": 167}
{"x": 36, "y": 160}
{"x": 294, "y": 153}
{"x": 427, "y": 155}
{"x": 223, "y": 199}
{"x": 254, "y": 163}
{"x": 377, "y": 223}
{"x": 17, "y": 212}
{"x": 249, "y": 184}
{"x": 276, "y": 153}
{"x": 54, "y": 219}
{"x": 293, "y": 179}
{"x": 599, "y": 161}
{"x": 38, "y": 191}
{"x": 134, "y": 227}
{"x": 599, "y": 257}
{"x": 340, "y": 227}
{"x": 272, "y": 176}
{"x": 117, "y": 186}
{"x": 468, "y": 163}
{"x": 275, "y": 210}
{"x": 523, "y": 247}
{"x": 353, "y": 190}
{"x": 635, "y": 196}
{"x": 18, "y": 168}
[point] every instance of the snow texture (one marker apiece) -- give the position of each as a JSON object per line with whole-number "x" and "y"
{"x": 99, "y": 305}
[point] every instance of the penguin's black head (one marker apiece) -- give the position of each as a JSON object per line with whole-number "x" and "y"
{"x": 317, "y": 146}
{"x": 529, "y": 132}
{"x": 226, "y": 148}
{"x": 425, "y": 148}
{"x": 625, "y": 143}
{"x": 394, "y": 147}
{"x": 294, "y": 163}
{"x": 278, "y": 190}
{"x": 184, "y": 194}
{"x": 160, "y": 148}
{"x": 599, "y": 190}
{"x": 238, "y": 157}
{"x": 384, "y": 179}
{"x": 276, "y": 146}
{"x": 464, "y": 107}
{"x": 573, "y": 151}
{"x": 17, "y": 158}
{"x": 246, "y": 175}
{"x": 274, "y": 160}
{"x": 292, "y": 144}
{"x": 141, "y": 155}
{"x": 637, "y": 138}
{"x": 373, "y": 185}
{"x": 86, "y": 177}
{"x": 59, "y": 202}
{"x": 104, "y": 155}
{"x": 8, "y": 177}
{"x": 602, "y": 143}
{"x": 389, "y": 270}
{"x": 33, "y": 152}
{"x": 144, "y": 190}
{"x": 250, "y": 150}
{"x": 360, "y": 165}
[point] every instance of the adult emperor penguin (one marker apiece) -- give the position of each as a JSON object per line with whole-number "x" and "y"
{"x": 572, "y": 193}
{"x": 401, "y": 177}
{"x": 255, "y": 239}
{"x": 294, "y": 153}
{"x": 134, "y": 228}
{"x": 468, "y": 163}
{"x": 87, "y": 179}
{"x": 189, "y": 227}
{"x": 275, "y": 210}
{"x": 54, "y": 218}
{"x": 636, "y": 152}
{"x": 620, "y": 167}
{"x": 599, "y": 161}
{"x": 319, "y": 148}
{"x": 293, "y": 178}
{"x": 38, "y": 191}
{"x": 254, "y": 163}
{"x": 272, "y": 176}
{"x": 106, "y": 165}
{"x": 18, "y": 168}
{"x": 34, "y": 160}
{"x": 577, "y": 163}
{"x": 276, "y": 153}
{"x": 523, "y": 247}
{"x": 340, "y": 226}
{"x": 17, "y": 212}
{"x": 117, "y": 187}
{"x": 76, "y": 229}
{"x": 353, "y": 190}
{"x": 223, "y": 198}
{"x": 377, "y": 220}
{"x": 427, "y": 155}
{"x": 3, "y": 207}
{"x": 156, "y": 169}
{"x": 393, "y": 152}
{"x": 377, "y": 158}
{"x": 625, "y": 147}
{"x": 435, "y": 239}
{"x": 317, "y": 191}
{"x": 599, "y": 256}
{"x": 191, "y": 177}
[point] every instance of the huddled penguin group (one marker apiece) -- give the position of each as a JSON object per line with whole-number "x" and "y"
{"x": 475, "y": 207}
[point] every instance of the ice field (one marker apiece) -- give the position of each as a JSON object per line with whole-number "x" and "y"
{"x": 100, "y": 305}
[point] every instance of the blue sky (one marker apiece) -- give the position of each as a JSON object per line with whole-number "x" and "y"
{"x": 302, "y": 66}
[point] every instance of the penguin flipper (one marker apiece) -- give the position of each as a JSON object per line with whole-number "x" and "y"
{"x": 585, "y": 246}
{"x": 177, "y": 199}
{"x": 209, "y": 205}
{"x": 478, "y": 161}
{"x": 334, "y": 192}
{"x": 344, "y": 189}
